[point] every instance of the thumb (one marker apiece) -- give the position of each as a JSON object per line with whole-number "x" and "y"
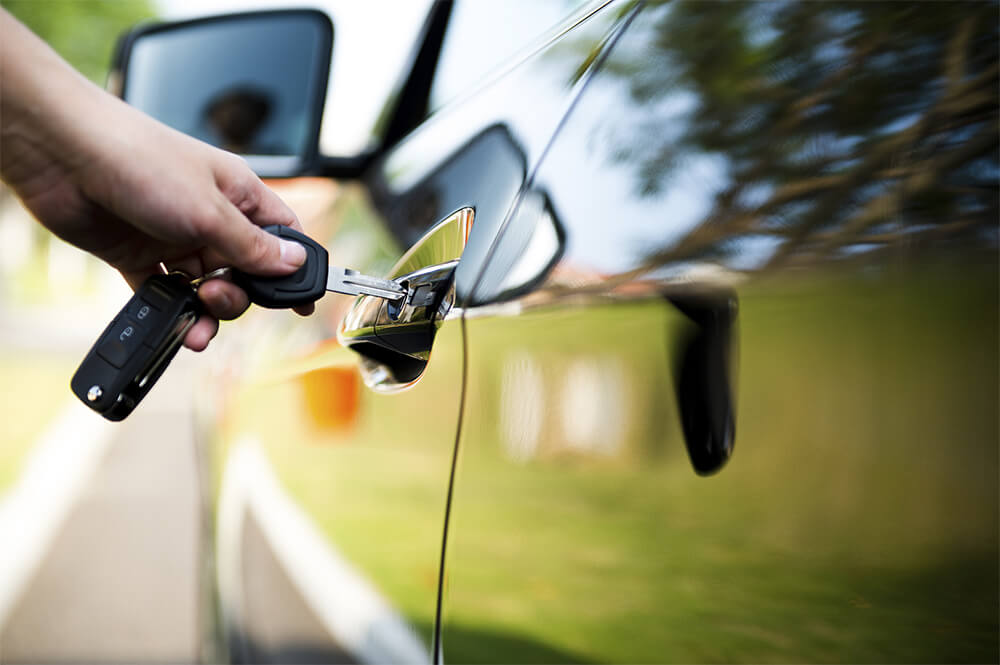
{"x": 244, "y": 245}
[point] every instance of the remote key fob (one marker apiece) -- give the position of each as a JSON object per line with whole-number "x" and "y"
{"x": 135, "y": 348}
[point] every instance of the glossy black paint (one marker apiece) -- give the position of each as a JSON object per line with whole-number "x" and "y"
{"x": 480, "y": 153}
{"x": 703, "y": 371}
{"x": 486, "y": 172}
{"x": 833, "y": 169}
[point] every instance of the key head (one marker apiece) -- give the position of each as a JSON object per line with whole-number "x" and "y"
{"x": 135, "y": 348}
{"x": 305, "y": 285}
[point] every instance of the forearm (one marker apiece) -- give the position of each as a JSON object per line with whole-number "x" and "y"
{"x": 130, "y": 190}
{"x": 43, "y": 104}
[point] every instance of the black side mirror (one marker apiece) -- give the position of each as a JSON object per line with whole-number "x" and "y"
{"x": 703, "y": 377}
{"x": 253, "y": 83}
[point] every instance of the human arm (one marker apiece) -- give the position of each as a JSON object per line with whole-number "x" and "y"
{"x": 105, "y": 177}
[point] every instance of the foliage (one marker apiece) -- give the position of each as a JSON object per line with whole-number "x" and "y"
{"x": 842, "y": 126}
{"x": 82, "y": 31}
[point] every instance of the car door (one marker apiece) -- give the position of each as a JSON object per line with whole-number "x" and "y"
{"x": 336, "y": 441}
{"x": 731, "y": 366}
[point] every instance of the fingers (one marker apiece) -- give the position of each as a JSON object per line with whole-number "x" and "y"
{"x": 247, "y": 204}
{"x": 191, "y": 266}
{"x": 228, "y": 229}
{"x": 223, "y": 300}
{"x": 207, "y": 325}
{"x": 136, "y": 278}
{"x": 235, "y": 237}
{"x": 201, "y": 333}
{"x": 244, "y": 245}
{"x": 263, "y": 207}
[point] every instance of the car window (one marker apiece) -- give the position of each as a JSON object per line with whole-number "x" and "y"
{"x": 482, "y": 36}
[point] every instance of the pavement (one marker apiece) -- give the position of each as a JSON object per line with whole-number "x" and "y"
{"x": 115, "y": 568}
{"x": 119, "y": 579}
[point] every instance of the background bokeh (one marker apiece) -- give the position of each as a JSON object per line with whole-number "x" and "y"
{"x": 53, "y": 297}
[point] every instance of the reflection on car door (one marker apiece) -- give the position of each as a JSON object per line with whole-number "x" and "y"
{"x": 810, "y": 279}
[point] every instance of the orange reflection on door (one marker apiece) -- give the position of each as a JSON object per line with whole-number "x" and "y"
{"x": 331, "y": 398}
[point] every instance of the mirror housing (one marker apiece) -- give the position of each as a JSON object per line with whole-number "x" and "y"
{"x": 252, "y": 83}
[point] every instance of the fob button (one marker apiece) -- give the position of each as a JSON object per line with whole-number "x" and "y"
{"x": 120, "y": 342}
{"x": 114, "y": 352}
{"x": 144, "y": 311}
{"x": 157, "y": 297}
{"x": 299, "y": 275}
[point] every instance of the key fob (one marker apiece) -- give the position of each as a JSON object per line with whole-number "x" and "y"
{"x": 135, "y": 348}
{"x": 305, "y": 285}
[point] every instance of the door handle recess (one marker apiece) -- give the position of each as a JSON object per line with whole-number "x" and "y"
{"x": 394, "y": 339}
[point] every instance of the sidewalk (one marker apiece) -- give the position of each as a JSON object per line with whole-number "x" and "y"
{"x": 116, "y": 577}
{"x": 120, "y": 580}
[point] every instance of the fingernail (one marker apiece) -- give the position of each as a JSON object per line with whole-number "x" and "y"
{"x": 292, "y": 253}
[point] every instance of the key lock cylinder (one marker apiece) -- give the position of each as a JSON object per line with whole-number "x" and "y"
{"x": 139, "y": 343}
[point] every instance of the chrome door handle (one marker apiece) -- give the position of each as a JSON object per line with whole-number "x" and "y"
{"x": 395, "y": 339}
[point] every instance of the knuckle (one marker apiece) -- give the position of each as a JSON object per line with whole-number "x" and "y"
{"x": 241, "y": 188}
{"x": 206, "y": 216}
{"x": 259, "y": 249}
{"x": 248, "y": 199}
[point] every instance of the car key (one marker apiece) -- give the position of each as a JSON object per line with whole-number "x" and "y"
{"x": 138, "y": 344}
{"x": 310, "y": 282}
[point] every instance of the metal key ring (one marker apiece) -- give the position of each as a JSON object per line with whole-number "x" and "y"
{"x": 218, "y": 272}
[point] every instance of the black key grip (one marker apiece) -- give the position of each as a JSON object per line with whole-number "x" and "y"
{"x": 304, "y": 286}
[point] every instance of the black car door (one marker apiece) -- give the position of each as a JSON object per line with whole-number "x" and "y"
{"x": 731, "y": 368}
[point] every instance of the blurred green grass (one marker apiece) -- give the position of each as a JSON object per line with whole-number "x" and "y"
{"x": 857, "y": 521}
{"x": 37, "y": 389}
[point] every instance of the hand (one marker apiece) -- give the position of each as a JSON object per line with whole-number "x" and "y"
{"x": 133, "y": 192}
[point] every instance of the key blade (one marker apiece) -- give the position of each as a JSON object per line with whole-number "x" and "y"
{"x": 353, "y": 283}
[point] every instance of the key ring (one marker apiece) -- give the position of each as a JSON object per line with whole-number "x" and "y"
{"x": 218, "y": 272}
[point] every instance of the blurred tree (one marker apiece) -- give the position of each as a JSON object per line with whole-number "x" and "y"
{"x": 843, "y": 126}
{"x": 82, "y": 31}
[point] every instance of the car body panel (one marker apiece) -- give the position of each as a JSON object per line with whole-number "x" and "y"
{"x": 332, "y": 447}
{"x": 377, "y": 497}
{"x": 857, "y": 519}
{"x": 721, "y": 370}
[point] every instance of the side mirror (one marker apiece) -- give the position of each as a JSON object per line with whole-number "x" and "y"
{"x": 256, "y": 83}
{"x": 703, "y": 376}
{"x": 252, "y": 83}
